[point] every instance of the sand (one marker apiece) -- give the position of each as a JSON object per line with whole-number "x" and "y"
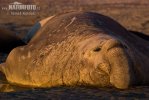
{"x": 79, "y": 93}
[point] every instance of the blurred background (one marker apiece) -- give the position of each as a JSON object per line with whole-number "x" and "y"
{"x": 132, "y": 14}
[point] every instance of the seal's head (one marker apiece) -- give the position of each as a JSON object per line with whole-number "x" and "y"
{"x": 109, "y": 59}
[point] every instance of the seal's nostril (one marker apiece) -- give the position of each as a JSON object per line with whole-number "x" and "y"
{"x": 97, "y": 49}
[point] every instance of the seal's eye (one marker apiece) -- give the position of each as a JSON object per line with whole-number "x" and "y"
{"x": 97, "y": 49}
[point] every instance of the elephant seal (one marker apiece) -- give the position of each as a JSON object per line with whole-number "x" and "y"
{"x": 80, "y": 48}
{"x": 8, "y": 40}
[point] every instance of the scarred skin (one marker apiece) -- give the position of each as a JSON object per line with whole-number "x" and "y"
{"x": 80, "y": 48}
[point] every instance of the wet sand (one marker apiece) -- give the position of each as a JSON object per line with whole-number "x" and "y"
{"x": 79, "y": 93}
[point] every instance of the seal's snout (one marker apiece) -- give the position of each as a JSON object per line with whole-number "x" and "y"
{"x": 120, "y": 63}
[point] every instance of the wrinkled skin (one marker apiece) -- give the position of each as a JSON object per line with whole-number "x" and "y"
{"x": 80, "y": 48}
